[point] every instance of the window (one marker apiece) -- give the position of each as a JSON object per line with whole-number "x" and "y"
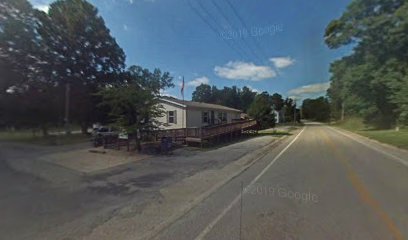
{"x": 172, "y": 117}
{"x": 205, "y": 117}
{"x": 222, "y": 116}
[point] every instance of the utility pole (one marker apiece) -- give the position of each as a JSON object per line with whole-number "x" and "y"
{"x": 67, "y": 99}
{"x": 342, "y": 111}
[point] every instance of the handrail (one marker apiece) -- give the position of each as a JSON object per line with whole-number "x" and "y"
{"x": 207, "y": 131}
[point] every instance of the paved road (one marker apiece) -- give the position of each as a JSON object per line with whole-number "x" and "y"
{"x": 32, "y": 208}
{"x": 320, "y": 184}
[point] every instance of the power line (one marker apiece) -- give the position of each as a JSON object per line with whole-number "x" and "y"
{"x": 236, "y": 13}
{"x": 247, "y": 53}
{"x": 231, "y": 26}
{"x": 214, "y": 29}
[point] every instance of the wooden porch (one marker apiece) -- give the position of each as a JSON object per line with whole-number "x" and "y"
{"x": 207, "y": 134}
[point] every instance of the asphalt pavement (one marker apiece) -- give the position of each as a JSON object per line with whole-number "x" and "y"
{"x": 322, "y": 183}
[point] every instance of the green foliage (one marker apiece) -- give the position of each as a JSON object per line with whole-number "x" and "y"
{"x": 261, "y": 110}
{"x": 40, "y": 53}
{"x": 203, "y": 93}
{"x": 247, "y": 97}
{"x": 228, "y": 96}
{"x": 26, "y": 84}
{"x": 316, "y": 109}
{"x": 288, "y": 108}
{"x": 352, "y": 124}
{"x": 277, "y": 101}
{"x": 134, "y": 105}
{"x": 371, "y": 83}
{"x": 89, "y": 57}
{"x": 389, "y": 136}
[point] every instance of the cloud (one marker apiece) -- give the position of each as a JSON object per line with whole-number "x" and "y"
{"x": 198, "y": 81}
{"x": 244, "y": 71}
{"x": 165, "y": 93}
{"x": 42, "y": 7}
{"x": 131, "y": 1}
{"x": 310, "y": 89}
{"x": 254, "y": 89}
{"x": 125, "y": 27}
{"x": 282, "y": 62}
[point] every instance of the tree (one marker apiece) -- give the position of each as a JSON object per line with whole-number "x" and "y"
{"x": 88, "y": 56}
{"x": 277, "y": 101}
{"x": 134, "y": 102}
{"x": 26, "y": 65}
{"x": 228, "y": 96}
{"x": 203, "y": 94}
{"x": 152, "y": 81}
{"x": 261, "y": 110}
{"x": 316, "y": 109}
{"x": 247, "y": 96}
{"x": 288, "y": 109}
{"x": 370, "y": 82}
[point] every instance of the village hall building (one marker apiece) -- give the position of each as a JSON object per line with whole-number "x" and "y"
{"x": 189, "y": 114}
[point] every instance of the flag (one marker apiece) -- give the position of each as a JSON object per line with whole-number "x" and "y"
{"x": 182, "y": 88}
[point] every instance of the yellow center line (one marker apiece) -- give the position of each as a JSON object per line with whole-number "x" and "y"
{"x": 365, "y": 196}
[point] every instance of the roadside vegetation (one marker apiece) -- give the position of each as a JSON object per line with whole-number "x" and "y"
{"x": 260, "y": 106}
{"x": 390, "y": 136}
{"x": 372, "y": 82}
{"x": 64, "y": 68}
{"x": 368, "y": 91}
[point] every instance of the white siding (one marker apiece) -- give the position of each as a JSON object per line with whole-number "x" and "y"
{"x": 180, "y": 114}
{"x": 191, "y": 118}
{"x": 194, "y": 117}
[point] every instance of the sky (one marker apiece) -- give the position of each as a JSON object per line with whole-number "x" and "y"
{"x": 266, "y": 45}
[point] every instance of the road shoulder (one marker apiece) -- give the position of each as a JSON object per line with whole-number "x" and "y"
{"x": 398, "y": 154}
{"x": 178, "y": 199}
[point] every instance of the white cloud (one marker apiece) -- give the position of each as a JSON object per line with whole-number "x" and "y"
{"x": 42, "y": 7}
{"x": 282, "y": 62}
{"x": 167, "y": 94}
{"x": 198, "y": 81}
{"x": 254, "y": 89}
{"x": 310, "y": 89}
{"x": 131, "y": 1}
{"x": 244, "y": 71}
{"x": 125, "y": 27}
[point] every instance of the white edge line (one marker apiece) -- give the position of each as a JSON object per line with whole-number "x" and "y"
{"x": 237, "y": 198}
{"x": 400, "y": 160}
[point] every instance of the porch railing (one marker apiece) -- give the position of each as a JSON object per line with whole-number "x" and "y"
{"x": 206, "y": 132}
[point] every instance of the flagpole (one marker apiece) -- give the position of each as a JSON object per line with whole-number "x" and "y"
{"x": 182, "y": 94}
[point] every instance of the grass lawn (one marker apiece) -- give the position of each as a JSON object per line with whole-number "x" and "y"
{"x": 26, "y": 136}
{"x": 389, "y": 136}
{"x": 392, "y": 137}
{"x": 273, "y": 132}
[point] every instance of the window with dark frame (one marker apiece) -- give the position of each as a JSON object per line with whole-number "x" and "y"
{"x": 222, "y": 116}
{"x": 172, "y": 117}
{"x": 205, "y": 117}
